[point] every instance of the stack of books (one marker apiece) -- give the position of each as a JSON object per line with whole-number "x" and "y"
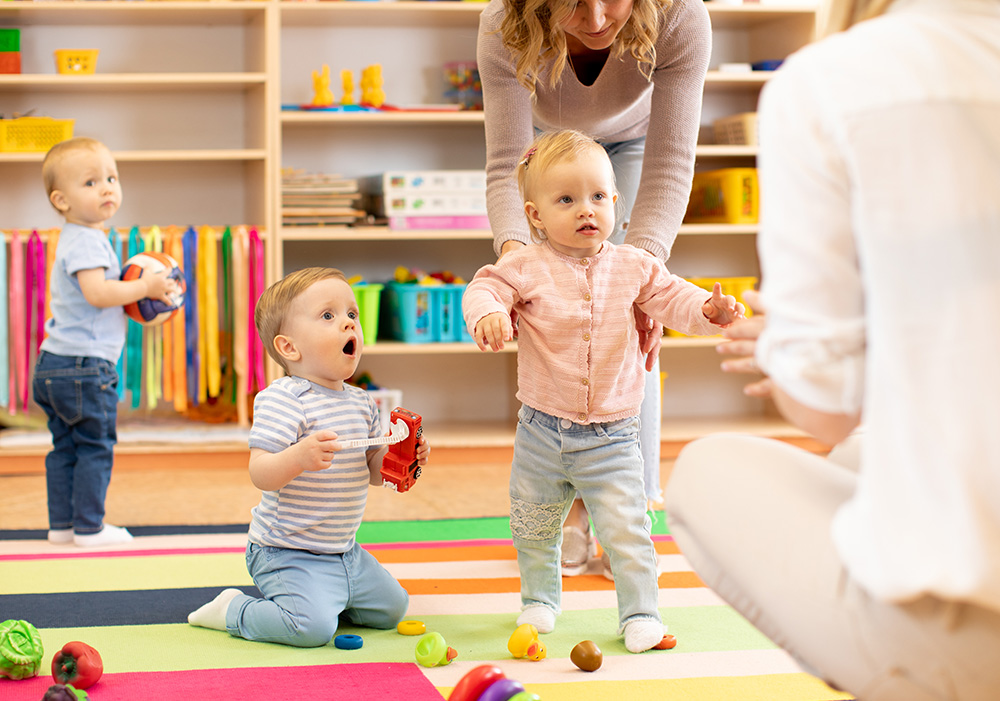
{"x": 428, "y": 199}
{"x": 317, "y": 199}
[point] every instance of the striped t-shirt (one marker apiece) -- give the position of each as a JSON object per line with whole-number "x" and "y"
{"x": 316, "y": 511}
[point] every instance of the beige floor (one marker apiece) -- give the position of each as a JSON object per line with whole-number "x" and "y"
{"x": 196, "y": 490}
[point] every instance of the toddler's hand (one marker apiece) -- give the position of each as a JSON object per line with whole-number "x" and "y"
{"x": 722, "y": 310}
{"x": 159, "y": 286}
{"x": 317, "y": 450}
{"x": 423, "y": 451}
{"x": 492, "y": 330}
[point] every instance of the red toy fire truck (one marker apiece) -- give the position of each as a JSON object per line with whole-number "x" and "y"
{"x": 399, "y": 466}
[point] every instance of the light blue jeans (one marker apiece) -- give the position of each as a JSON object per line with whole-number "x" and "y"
{"x": 305, "y": 594}
{"x": 555, "y": 458}
{"x": 626, "y": 159}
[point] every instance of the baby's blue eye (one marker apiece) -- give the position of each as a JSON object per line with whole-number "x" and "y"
{"x": 599, "y": 196}
{"x": 565, "y": 199}
{"x": 352, "y": 314}
{"x": 327, "y": 316}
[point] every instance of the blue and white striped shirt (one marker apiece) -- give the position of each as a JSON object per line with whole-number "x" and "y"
{"x": 316, "y": 511}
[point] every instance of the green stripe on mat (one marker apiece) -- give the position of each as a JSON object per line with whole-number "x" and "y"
{"x": 164, "y": 648}
{"x": 455, "y": 529}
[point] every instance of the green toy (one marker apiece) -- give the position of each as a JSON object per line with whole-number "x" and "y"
{"x": 21, "y": 650}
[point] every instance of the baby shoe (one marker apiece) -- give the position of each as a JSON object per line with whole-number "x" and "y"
{"x": 578, "y": 547}
{"x": 108, "y": 535}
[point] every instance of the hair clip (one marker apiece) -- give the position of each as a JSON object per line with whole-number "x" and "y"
{"x": 527, "y": 156}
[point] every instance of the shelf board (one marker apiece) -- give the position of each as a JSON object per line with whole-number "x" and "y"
{"x": 382, "y": 118}
{"x": 125, "y": 12}
{"x": 754, "y": 80}
{"x": 400, "y": 348}
{"x": 725, "y": 151}
{"x": 131, "y": 82}
{"x": 160, "y": 155}
{"x": 749, "y": 16}
{"x": 381, "y": 233}
{"x": 381, "y": 14}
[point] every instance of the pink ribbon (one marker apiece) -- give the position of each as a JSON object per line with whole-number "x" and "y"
{"x": 255, "y": 348}
{"x": 18, "y": 325}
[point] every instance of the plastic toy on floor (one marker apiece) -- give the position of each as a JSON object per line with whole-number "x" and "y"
{"x": 524, "y": 642}
{"x": 433, "y": 651}
{"x": 21, "y": 650}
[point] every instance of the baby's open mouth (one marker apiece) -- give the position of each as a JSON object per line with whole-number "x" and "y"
{"x": 349, "y": 347}
{"x": 587, "y": 227}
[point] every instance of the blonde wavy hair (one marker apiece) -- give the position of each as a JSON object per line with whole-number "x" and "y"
{"x": 839, "y": 15}
{"x": 532, "y": 31}
{"x": 549, "y": 149}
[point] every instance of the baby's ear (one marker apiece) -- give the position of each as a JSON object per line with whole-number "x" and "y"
{"x": 286, "y": 348}
{"x": 58, "y": 200}
{"x": 531, "y": 211}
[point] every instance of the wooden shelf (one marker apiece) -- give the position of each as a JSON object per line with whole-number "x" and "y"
{"x": 130, "y": 82}
{"x": 162, "y": 156}
{"x": 125, "y": 12}
{"x": 390, "y": 118}
{"x": 381, "y": 14}
{"x": 752, "y": 16}
{"x": 381, "y": 233}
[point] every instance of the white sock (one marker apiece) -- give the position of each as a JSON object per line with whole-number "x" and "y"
{"x": 540, "y": 616}
{"x": 108, "y": 535}
{"x": 213, "y": 614}
{"x": 61, "y": 536}
{"x": 643, "y": 634}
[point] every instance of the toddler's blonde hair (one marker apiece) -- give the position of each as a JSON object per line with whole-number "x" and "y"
{"x": 51, "y": 164}
{"x": 272, "y": 307}
{"x": 839, "y": 15}
{"x": 547, "y": 150}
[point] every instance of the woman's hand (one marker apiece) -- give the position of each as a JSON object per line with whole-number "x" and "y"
{"x": 650, "y": 336}
{"x": 742, "y": 341}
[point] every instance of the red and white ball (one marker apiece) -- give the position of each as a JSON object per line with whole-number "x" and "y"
{"x": 151, "y": 312}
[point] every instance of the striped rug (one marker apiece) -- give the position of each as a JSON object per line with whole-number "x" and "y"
{"x": 131, "y": 603}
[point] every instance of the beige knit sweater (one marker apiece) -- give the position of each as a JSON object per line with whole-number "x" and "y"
{"x": 620, "y": 105}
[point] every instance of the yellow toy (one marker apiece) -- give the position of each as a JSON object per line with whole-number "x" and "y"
{"x": 347, "y": 81}
{"x": 372, "y": 93}
{"x": 322, "y": 95}
{"x": 524, "y": 642}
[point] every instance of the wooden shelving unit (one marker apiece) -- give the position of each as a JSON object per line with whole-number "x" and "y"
{"x": 209, "y": 100}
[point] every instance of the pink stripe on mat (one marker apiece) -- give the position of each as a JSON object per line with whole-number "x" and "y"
{"x": 122, "y": 553}
{"x": 372, "y": 681}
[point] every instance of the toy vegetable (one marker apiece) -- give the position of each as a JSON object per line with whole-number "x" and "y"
{"x": 21, "y": 650}
{"x": 78, "y": 664}
{"x": 65, "y": 692}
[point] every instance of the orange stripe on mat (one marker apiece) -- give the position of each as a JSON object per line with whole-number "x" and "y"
{"x": 506, "y": 585}
{"x": 469, "y": 553}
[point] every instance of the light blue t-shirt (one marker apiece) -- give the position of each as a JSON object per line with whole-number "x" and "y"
{"x": 78, "y": 328}
{"x": 316, "y": 511}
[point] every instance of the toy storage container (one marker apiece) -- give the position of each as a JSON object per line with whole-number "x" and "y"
{"x": 737, "y": 129}
{"x": 425, "y": 313}
{"x": 724, "y": 196}
{"x": 368, "y": 296}
{"x": 734, "y": 286}
{"x": 32, "y": 134}
{"x": 76, "y": 61}
{"x": 387, "y": 400}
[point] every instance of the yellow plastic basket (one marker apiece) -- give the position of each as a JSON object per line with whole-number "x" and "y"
{"x": 724, "y": 196}
{"x": 734, "y": 286}
{"x": 32, "y": 134}
{"x": 76, "y": 61}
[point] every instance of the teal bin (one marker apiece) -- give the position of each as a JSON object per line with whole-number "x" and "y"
{"x": 411, "y": 310}
{"x": 450, "y": 321}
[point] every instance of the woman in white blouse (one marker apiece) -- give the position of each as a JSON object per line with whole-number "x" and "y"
{"x": 880, "y": 257}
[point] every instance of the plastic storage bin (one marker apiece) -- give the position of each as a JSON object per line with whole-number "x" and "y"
{"x": 724, "y": 196}
{"x": 387, "y": 400}
{"x": 10, "y": 39}
{"x": 368, "y": 296}
{"x": 734, "y": 286}
{"x": 425, "y": 313}
{"x": 76, "y": 61}
{"x": 10, "y": 62}
{"x": 737, "y": 129}
{"x": 31, "y": 134}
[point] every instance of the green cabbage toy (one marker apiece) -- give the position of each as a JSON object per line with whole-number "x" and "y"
{"x": 20, "y": 650}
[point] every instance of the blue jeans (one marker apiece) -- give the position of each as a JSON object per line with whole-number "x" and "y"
{"x": 553, "y": 459}
{"x": 79, "y": 396}
{"x": 305, "y": 594}
{"x": 626, "y": 159}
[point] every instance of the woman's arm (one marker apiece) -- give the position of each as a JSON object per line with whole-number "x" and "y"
{"x": 682, "y": 56}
